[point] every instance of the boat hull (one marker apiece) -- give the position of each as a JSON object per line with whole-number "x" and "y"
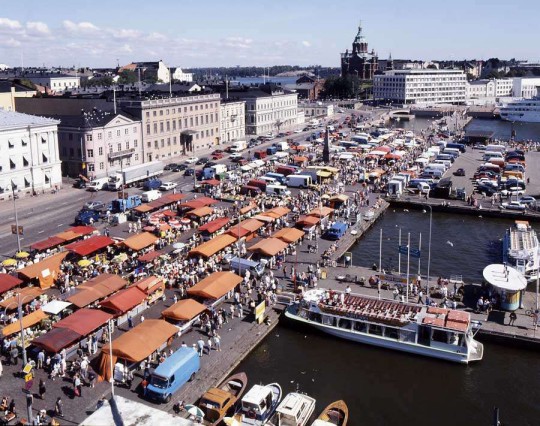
{"x": 381, "y": 341}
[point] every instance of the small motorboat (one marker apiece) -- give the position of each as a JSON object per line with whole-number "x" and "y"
{"x": 337, "y": 413}
{"x": 258, "y": 404}
{"x": 295, "y": 410}
{"x": 218, "y": 402}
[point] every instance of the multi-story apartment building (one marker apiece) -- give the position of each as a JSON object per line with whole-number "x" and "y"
{"x": 180, "y": 75}
{"x": 429, "y": 86}
{"x": 489, "y": 90}
{"x": 525, "y": 87}
{"x": 96, "y": 143}
{"x": 316, "y": 109}
{"x": 56, "y": 82}
{"x": 178, "y": 125}
{"x": 233, "y": 120}
{"x": 29, "y": 159}
{"x": 269, "y": 108}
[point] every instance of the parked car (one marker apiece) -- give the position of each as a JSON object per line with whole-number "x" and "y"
{"x": 167, "y": 186}
{"x": 192, "y": 160}
{"x": 189, "y": 172}
{"x": 236, "y": 156}
{"x": 180, "y": 168}
{"x": 94, "y": 205}
{"x": 528, "y": 200}
{"x": 217, "y": 151}
{"x": 459, "y": 172}
{"x": 202, "y": 160}
{"x": 217, "y": 156}
{"x": 486, "y": 189}
{"x": 513, "y": 205}
{"x": 170, "y": 166}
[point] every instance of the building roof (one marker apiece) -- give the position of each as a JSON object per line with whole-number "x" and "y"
{"x": 12, "y": 119}
{"x": 90, "y": 119}
{"x": 6, "y": 85}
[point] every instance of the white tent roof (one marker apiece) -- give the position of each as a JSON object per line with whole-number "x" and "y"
{"x": 55, "y": 307}
{"x": 505, "y": 278}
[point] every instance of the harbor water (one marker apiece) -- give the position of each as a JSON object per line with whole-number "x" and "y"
{"x": 383, "y": 387}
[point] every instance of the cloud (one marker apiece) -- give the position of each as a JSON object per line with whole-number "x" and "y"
{"x": 79, "y": 27}
{"x": 37, "y": 28}
{"x": 306, "y": 43}
{"x": 126, "y": 34}
{"x": 11, "y": 42}
{"x": 237, "y": 42}
{"x": 10, "y": 25}
{"x": 126, "y": 48}
{"x": 156, "y": 37}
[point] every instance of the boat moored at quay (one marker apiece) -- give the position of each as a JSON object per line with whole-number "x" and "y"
{"x": 521, "y": 249}
{"x": 423, "y": 330}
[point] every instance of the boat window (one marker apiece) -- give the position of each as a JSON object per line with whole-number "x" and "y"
{"x": 391, "y": 332}
{"x": 439, "y": 336}
{"x": 375, "y": 329}
{"x": 406, "y": 336}
{"x": 313, "y": 316}
{"x": 328, "y": 320}
{"x": 359, "y": 326}
{"x": 345, "y": 323}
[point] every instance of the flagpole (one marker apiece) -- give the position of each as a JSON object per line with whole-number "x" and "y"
{"x": 399, "y": 253}
{"x": 420, "y": 250}
{"x": 380, "y": 253}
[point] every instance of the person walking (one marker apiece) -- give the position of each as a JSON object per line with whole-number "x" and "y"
{"x": 77, "y": 386}
{"x": 59, "y": 407}
{"x": 42, "y": 389}
{"x": 217, "y": 342}
{"x": 200, "y": 347}
{"x": 130, "y": 322}
{"x": 513, "y": 318}
{"x": 40, "y": 359}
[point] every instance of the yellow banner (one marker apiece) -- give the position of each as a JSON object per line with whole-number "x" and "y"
{"x": 259, "y": 311}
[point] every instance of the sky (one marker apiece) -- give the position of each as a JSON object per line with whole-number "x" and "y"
{"x": 189, "y": 33}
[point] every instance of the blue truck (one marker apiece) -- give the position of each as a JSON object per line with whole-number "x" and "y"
{"x": 336, "y": 231}
{"x": 87, "y": 217}
{"x": 128, "y": 203}
{"x": 150, "y": 184}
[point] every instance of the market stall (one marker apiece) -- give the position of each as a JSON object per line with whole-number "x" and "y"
{"x": 215, "y": 286}
{"x": 152, "y": 286}
{"x": 28, "y": 321}
{"x": 136, "y": 345}
{"x": 269, "y": 247}
{"x": 184, "y": 313}
{"x": 210, "y": 229}
{"x": 209, "y": 248}
{"x": 140, "y": 241}
{"x": 289, "y": 235}
{"x": 25, "y": 295}
{"x": 96, "y": 289}
{"x": 125, "y": 303}
{"x": 45, "y": 271}
{"x": 8, "y": 282}
{"x": 90, "y": 245}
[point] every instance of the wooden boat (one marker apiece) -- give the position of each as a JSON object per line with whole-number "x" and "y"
{"x": 218, "y": 402}
{"x": 336, "y": 413}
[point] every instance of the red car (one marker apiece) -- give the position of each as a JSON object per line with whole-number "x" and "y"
{"x": 217, "y": 156}
{"x": 217, "y": 151}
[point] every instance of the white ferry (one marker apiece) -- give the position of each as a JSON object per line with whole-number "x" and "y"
{"x": 521, "y": 249}
{"x": 526, "y": 110}
{"x": 436, "y": 332}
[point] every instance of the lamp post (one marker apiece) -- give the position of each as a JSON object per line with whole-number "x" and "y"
{"x": 429, "y": 245}
{"x": 13, "y": 188}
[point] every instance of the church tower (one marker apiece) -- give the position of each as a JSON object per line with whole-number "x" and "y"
{"x": 360, "y": 63}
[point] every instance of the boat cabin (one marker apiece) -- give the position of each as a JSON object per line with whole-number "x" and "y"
{"x": 294, "y": 410}
{"x": 257, "y": 402}
{"x": 215, "y": 403}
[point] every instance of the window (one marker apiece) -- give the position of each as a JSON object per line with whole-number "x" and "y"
{"x": 136, "y": 157}
{"x": 91, "y": 167}
{"x": 147, "y": 114}
{"x": 135, "y": 130}
{"x": 149, "y": 144}
{"x": 174, "y": 140}
{"x": 163, "y": 143}
{"x": 173, "y": 125}
{"x": 135, "y": 143}
{"x": 185, "y": 123}
{"x": 197, "y": 121}
{"x": 101, "y": 166}
{"x": 127, "y": 145}
{"x": 161, "y": 127}
{"x": 154, "y": 113}
{"x": 100, "y": 150}
{"x": 119, "y": 147}
{"x": 44, "y": 140}
{"x": 118, "y": 133}
{"x": 109, "y": 135}
{"x": 148, "y": 129}
{"x": 126, "y": 131}
{"x": 156, "y": 144}
{"x": 168, "y": 141}
{"x": 160, "y": 112}
{"x": 168, "y": 126}
{"x": 191, "y": 121}
{"x": 44, "y": 158}
{"x": 99, "y": 136}
{"x": 11, "y": 144}
{"x": 12, "y": 164}
{"x": 88, "y": 138}
{"x": 90, "y": 153}
{"x": 167, "y": 111}
{"x": 155, "y": 128}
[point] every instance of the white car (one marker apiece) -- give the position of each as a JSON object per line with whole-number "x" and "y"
{"x": 192, "y": 160}
{"x": 514, "y": 205}
{"x": 235, "y": 155}
{"x": 298, "y": 131}
{"x": 528, "y": 200}
{"x": 167, "y": 186}
{"x": 513, "y": 190}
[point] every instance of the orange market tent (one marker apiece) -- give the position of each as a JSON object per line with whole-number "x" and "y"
{"x": 183, "y": 310}
{"x": 97, "y": 288}
{"x": 68, "y": 235}
{"x": 248, "y": 208}
{"x": 215, "y": 245}
{"x": 321, "y": 211}
{"x": 276, "y": 212}
{"x": 90, "y": 245}
{"x": 45, "y": 271}
{"x": 216, "y": 285}
{"x": 124, "y": 300}
{"x": 149, "y": 256}
{"x": 261, "y": 217}
{"x": 28, "y": 321}
{"x": 252, "y": 225}
{"x": 140, "y": 241}
{"x": 143, "y": 208}
{"x": 289, "y": 235}
{"x": 308, "y": 221}
{"x": 201, "y": 211}
{"x": 269, "y": 246}
{"x": 27, "y": 294}
{"x": 150, "y": 284}
{"x": 136, "y": 344}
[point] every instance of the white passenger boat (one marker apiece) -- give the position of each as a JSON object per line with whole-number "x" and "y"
{"x": 525, "y": 110}
{"x": 521, "y": 249}
{"x": 295, "y": 410}
{"x": 436, "y": 332}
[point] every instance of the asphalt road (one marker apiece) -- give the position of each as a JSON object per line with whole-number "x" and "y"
{"x": 48, "y": 214}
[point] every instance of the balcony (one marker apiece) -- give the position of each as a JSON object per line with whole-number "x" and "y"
{"x": 121, "y": 154}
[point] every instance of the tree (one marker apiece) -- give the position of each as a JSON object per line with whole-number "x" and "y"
{"x": 128, "y": 77}
{"x": 278, "y": 124}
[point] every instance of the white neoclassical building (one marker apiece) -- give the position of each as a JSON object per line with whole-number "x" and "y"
{"x": 180, "y": 75}
{"x": 233, "y": 120}
{"x": 55, "y": 81}
{"x": 269, "y": 109}
{"x": 29, "y": 158}
{"x": 424, "y": 87}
